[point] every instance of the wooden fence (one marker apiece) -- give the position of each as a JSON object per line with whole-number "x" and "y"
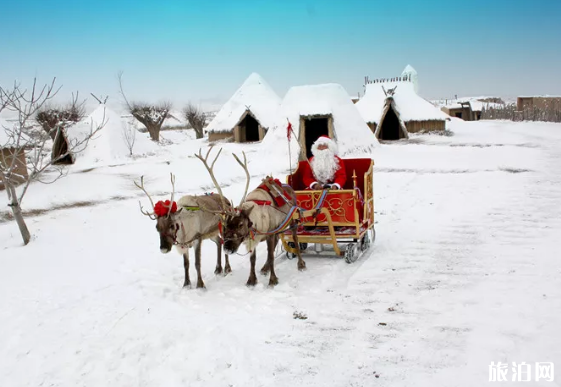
{"x": 511, "y": 112}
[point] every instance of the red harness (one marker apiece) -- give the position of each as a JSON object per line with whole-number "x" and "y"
{"x": 279, "y": 201}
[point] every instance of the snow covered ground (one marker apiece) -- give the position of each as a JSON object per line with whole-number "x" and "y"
{"x": 464, "y": 271}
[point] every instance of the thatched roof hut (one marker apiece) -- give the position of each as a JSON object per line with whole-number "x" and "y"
{"x": 248, "y": 114}
{"x": 313, "y": 111}
{"x": 393, "y": 108}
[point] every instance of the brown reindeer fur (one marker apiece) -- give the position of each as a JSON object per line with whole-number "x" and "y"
{"x": 264, "y": 219}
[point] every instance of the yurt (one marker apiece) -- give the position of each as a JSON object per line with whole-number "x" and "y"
{"x": 109, "y": 145}
{"x": 392, "y": 109}
{"x": 313, "y": 111}
{"x": 248, "y": 114}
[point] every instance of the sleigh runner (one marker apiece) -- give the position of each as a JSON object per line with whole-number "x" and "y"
{"x": 335, "y": 216}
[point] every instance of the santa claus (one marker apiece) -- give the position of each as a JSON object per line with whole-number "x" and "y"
{"x": 327, "y": 169}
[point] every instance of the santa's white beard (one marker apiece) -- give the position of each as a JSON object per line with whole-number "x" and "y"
{"x": 324, "y": 165}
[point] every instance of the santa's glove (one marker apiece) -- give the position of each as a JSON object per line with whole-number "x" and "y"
{"x": 328, "y": 186}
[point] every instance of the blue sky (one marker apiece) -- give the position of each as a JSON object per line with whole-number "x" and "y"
{"x": 202, "y": 51}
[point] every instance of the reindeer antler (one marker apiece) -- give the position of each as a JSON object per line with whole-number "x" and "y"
{"x": 141, "y": 186}
{"x": 248, "y": 178}
{"x": 210, "y": 170}
{"x": 172, "y": 193}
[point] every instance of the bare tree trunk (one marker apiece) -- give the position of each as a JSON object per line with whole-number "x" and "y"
{"x": 16, "y": 210}
{"x": 198, "y": 133}
{"x": 154, "y": 131}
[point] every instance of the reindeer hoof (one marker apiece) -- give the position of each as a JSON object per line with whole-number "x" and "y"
{"x": 302, "y": 266}
{"x": 187, "y": 284}
{"x": 273, "y": 281}
{"x": 201, "y": 285}
{"x": 251, "y": 282}
{"x": 218, "y": 270}
{"x": 227, "y": 269}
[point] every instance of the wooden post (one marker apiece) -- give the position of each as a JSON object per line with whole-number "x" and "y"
{"x": 354, "y": 179}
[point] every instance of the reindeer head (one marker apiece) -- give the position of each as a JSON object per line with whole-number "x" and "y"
{"x": 165, "y": 213}
{"x": 235, "y": 223}
{"x": 236, "y": 227}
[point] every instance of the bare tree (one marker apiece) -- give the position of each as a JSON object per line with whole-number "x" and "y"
{"x": 56, "y": 120}
{"x": 22, "y": 137}
{"x": 196, "y": 118}
{"x": 129, "y": 135}
{"x": 152, "y": 116}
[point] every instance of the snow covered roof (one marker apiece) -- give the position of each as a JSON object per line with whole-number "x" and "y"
{"x": 410, "y": 105}
{"x": 408, "y": 70}
{"x": 539, "y": 96}
{"x": 255, "y": 93}
{"x": 352, "y": 134}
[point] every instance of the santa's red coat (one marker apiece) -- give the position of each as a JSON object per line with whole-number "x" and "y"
{"x": 339, "y": 178}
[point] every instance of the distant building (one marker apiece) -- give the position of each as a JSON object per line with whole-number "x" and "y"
{"x": 468, "y": 109}
{"x": 545, "y": 102}
{"x": 410, "y": 73}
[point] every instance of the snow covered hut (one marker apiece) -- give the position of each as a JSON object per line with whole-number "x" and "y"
{"x": 109, "y": 144}
{"x": 248, "y": 114}
{"x": 10, "y": 153}
{"x": 317, "y": 110}
{"x": 392, "y": 109}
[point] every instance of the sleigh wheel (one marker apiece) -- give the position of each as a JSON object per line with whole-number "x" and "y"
{"x": 365, "y": 242}
{"x": 351, "y": 253}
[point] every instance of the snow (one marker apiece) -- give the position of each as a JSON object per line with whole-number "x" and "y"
{"x": 410, "y": 105}
{"x": 464, "y": 272}
{"x": 263, "y": 103}
{"x": 352, "y": 134}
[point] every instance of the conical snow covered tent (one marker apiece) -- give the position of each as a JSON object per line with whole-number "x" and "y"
{"x": 393, "y": 109}
{"x": 109, "y": 145}
{"x": 248, "y": 114}
{"x": 314, "y": 111}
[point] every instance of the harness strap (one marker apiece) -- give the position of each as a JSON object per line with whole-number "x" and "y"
{"x": 191, "y": 208}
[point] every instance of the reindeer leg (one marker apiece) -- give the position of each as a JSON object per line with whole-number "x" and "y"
{"x": 200, "y": 283}
{"x": 227, "y": 268}
{"x": 301, "y": 263}
{"x": 271, "y": 244}
{"x": 187, "y": 282}
{"x": 252, "y": 280}
{"x": 218, "y": 269}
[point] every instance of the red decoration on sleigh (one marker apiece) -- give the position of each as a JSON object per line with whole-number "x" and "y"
{"x": 162, "y": 208}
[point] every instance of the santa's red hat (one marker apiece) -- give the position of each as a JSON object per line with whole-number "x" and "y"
{"x": 323, "y": 139}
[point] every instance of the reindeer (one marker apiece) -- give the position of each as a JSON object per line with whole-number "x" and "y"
{"x": 186, "y": 224}
{"x": 258, "y": 218}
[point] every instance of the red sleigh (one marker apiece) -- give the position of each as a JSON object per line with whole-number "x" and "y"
{"x": 335, "y": 216}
